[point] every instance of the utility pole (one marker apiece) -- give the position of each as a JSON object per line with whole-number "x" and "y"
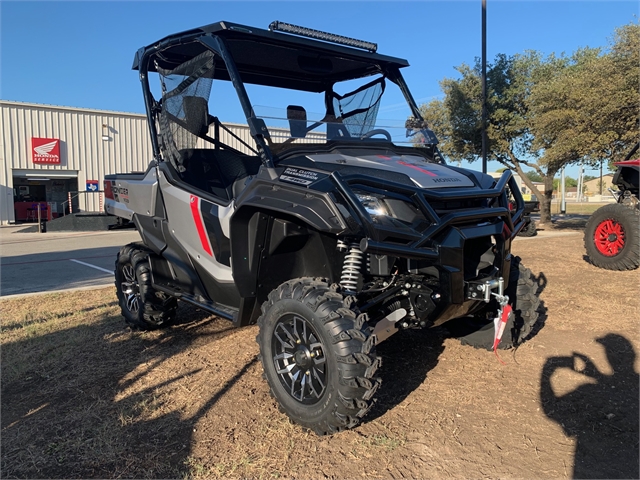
{"x": 563, "y": 205}
{"x": 484, "y": 86}
{"x": 601, "y": 162}
{"x": 580, "y": 184}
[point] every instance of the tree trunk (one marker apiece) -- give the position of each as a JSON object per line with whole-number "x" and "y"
{"x": 544, "y": 198}
{"x": 545, "y": 201}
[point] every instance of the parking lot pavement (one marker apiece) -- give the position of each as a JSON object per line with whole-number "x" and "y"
{"x": 34, "y": 262}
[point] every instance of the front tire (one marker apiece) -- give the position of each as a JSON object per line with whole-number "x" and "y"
{"x": 141, "y": 305}
{"x": 318, "y": 356}
{"x": 612, "y": 238}
{"x": 478, "y": 332}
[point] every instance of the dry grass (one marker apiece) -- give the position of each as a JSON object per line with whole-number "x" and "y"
{"x": 84, "y": 396}
{"x": 577, "y": 208}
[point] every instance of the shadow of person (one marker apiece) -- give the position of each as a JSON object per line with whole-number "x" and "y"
{"x": 602, "y": 414}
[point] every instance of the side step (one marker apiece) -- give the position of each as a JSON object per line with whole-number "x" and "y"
{"x": 218, "y": 309}
{"x": 162, "y": 281}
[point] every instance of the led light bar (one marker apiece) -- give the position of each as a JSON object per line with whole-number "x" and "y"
{"x": 318, "y": 35}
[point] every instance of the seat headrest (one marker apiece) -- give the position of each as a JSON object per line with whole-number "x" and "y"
{"x": 196, "y": 113}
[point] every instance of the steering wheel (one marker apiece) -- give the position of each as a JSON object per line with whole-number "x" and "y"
{"x": 377, "y": 131}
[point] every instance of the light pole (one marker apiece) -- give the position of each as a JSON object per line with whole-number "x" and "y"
{"x": 484, "y": 86}
{"x": 563, "y": 205}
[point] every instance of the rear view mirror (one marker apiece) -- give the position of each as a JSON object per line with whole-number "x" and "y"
{"x": 297, "y": 117}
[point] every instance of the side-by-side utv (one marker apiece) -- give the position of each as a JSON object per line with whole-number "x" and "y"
{"x": 330, "y": 230}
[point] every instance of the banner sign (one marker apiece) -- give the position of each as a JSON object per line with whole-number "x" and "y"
{"x": 45, "y": 150}
{"x": 92, "y": 185}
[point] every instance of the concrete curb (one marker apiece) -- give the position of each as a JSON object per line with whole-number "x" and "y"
{"x": 47, "y": 292}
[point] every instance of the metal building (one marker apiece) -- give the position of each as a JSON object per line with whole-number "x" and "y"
{"x": 50, "y": 154}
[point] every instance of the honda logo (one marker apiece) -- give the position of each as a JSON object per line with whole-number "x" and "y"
{"x": 45, "y": 150}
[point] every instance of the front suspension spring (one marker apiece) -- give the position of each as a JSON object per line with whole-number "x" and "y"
{"x": 351, "y": 269}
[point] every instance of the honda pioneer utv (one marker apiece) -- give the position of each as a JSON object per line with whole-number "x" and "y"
{"x": 332, "y": 231}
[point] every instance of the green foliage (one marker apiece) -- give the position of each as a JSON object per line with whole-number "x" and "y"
{"x": 534, "y": 176}
{"x": 544, "y": 112}
{"x": 568, "y": 182}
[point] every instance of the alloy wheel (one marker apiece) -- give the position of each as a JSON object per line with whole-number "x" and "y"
{"x": 130, "y": 289}
{"x": 609, "y": 237}
{"x": 299, "y": 358}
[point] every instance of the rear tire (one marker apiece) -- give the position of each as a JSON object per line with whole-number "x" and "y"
{"x": 529, "y": 230}
{"x": 612, "y": 238}
{"x": 318, "y": 357}
{"x": 142, "y": 306}
{"x": 479, "y": 332}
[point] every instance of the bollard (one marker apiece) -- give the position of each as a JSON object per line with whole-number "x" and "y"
{"x": 39, "y": 218}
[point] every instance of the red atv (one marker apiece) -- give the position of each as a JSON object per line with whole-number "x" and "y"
{"x": 612, "y": 235}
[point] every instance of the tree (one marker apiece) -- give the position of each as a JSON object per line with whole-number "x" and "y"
{"x": 533, "y": 176}
{"x": 544, "y": 112}
{"x": 509, "y": 85}
{"x": 591, "y": 108}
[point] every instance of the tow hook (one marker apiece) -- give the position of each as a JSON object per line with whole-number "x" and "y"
{"x": 484, "y": 291}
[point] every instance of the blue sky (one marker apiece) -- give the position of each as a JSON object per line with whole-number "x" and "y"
{"x": 80, "y": 53}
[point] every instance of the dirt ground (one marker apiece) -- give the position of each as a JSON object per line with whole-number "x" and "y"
{"x": 84, "y": 396}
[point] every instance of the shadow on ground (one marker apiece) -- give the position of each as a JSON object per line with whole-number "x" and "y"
{"x": 569, "y": 222}
{"x": 64, "y": 415}
{"x": 602, "y": 413}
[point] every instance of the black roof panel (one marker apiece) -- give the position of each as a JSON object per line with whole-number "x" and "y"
{"x": 272, "y": 58}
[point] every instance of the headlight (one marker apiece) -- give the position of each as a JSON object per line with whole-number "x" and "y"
{"x": 372, "y": 204}
{"x": 380, "y": 206}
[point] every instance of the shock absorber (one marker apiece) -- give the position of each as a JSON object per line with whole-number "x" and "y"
{"x": 351, "y": 267}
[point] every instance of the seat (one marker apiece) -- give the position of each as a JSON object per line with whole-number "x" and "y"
{"x": 335, "y": 129}
{"x": 220, "y": 172}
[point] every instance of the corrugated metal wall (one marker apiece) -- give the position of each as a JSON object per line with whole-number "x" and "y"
{"x": 83, "y": 151}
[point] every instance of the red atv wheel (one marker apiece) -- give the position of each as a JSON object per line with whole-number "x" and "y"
{"x": 611, "y": 238}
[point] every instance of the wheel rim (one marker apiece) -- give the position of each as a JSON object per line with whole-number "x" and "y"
{"x": 299, "y": 358}
{"x": 130, "y": 289}
{"x": 609, "y": 237}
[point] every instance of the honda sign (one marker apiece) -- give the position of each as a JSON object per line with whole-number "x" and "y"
{"x": 45, "y": 150}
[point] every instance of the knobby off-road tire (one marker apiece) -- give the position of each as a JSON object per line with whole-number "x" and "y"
{"x": 529, "y": 230}
{"x": 142, "y": 306}
{"x": 318, "y": 356}
{"x": 612, "y": 237}
{"x": 478, "y": 332}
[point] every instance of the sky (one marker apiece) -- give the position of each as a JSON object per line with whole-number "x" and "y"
{"x": 79, "y": 54}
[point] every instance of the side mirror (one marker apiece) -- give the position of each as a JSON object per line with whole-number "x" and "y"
{"x": 415, "y": 126}
{"x": 414, "y": 123}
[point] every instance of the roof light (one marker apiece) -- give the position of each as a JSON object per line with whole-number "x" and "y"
{"x": 318, "y": 35}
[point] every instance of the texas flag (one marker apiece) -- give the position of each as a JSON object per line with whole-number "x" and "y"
{"x": 45, "y": 150}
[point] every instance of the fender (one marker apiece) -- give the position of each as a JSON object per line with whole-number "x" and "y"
{"x": 274, "y": 247}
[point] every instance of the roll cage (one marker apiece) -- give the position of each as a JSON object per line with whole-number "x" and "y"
{"x": 247, "y": 55}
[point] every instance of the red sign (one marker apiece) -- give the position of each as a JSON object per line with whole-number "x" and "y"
{"x": 45, "y": 150}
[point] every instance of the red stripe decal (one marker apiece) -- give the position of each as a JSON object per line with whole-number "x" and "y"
{"x": 415, "y": 167}
{"x": 197, "y": 219}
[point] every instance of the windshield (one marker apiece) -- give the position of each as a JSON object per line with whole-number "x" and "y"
{"x": 372, "y": 111}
